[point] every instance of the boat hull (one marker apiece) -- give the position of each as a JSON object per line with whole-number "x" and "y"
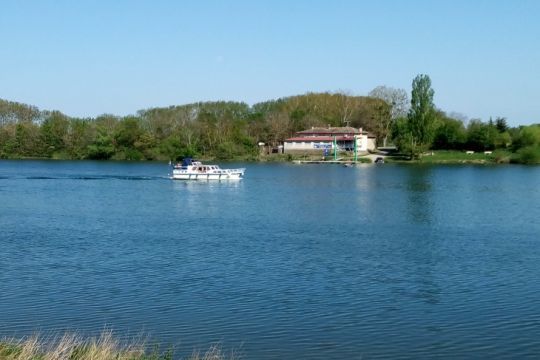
{"x": 206, "y": 177}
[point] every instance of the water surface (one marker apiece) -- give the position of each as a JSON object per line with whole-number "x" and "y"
{"x": 292, "y": 262}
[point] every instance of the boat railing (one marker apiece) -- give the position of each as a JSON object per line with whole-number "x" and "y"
{"x": 235, "y": 170}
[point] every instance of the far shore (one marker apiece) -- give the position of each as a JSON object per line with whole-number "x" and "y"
{"x": 434, "y": 157}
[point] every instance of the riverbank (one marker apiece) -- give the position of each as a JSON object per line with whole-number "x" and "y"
{"x": 431, "y": 157}
{"x": 530, "y": 156}
{"x": 105, "y": 347}
{"x": 526, "y": 156}
{"x": 457, "y": 157}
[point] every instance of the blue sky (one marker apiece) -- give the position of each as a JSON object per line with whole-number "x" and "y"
{"x": 87, "y": 58}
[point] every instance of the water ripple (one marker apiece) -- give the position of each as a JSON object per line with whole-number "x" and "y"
{"x": 292, "y": 262}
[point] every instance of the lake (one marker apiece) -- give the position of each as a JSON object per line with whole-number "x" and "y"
{"x": 294, "y": 261}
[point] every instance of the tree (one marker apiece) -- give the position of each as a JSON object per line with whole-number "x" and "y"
{"x": 503, "y": 140}
{"x": 53, "y": 131}
{"x": 102, "y": 147}
{"x": 527, "y": 136}
{"x": 128, "y": 132}
{"x": 27, "y": 140}
{"x": 450, "y": 133}
{"x": 417, "y": 134}
{"x": 397, "y": 100}
{"x": 78, "y": 138}
{"x": 527, "y": 144}
{"x": 481, "y": 136}
{"x": 382, "y": 121}
{"x": 500, "y": 124}
{"x": 346, "y": 104}
{"x": 14, "y": 112}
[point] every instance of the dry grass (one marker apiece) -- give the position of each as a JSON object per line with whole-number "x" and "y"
{"x": 214, "y": 353}
{"x": 105, "y": 347}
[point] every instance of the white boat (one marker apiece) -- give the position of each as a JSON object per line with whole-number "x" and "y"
{"x": 195, "y": 170}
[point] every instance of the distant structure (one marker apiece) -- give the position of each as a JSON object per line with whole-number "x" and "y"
{"x": 317, "y": 140}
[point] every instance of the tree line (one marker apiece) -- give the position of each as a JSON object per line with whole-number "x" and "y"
{"x": 222, "y": 130}
{"x": 233, "y": 130}
{"x": 425, "y": 127}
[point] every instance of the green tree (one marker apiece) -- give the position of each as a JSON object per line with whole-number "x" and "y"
{"x": 416, "y": 135}
{"x": 78, "y": 137}
{"x": 481, "y": 136}
{"x": 527, "y": 136}
{"x": 102, "y": 147}
{"x": 7, "y": 140}
{"x": 27, "y": 140}
{"x": 503, "y": 140}
{"x": 127, "y": 132}
{"x": 450, "y": 133}
{"x": 53, "y": 131}
{"x": 501, "y": 125}
{"x": 14, "y": 112}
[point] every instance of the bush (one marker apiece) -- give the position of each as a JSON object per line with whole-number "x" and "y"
{"x": 133, "y": 154}
{"x": 528, "y": 155}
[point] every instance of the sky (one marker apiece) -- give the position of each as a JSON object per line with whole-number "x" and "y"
{"x": 87, "y": 58}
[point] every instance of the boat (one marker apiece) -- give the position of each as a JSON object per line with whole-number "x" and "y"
{"x": 191, "y": 169}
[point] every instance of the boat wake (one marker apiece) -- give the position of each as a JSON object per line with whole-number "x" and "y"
{"x": 90, "y": 177}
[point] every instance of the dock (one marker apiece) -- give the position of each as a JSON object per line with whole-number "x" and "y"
{"x": 323, "y": 162}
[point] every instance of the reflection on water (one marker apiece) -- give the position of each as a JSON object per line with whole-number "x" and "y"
{"x": 418, "y": 185}
{"x": 205, "y": 198}
{"x": 364, "y": 186}
{"x": 205, "y": 185}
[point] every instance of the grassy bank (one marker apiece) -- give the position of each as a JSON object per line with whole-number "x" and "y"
{"x": 461, "y": 157}
{"x": 527, "y": 155}
{"x": 104, "y": 347}
{"x": 457, "y": 157}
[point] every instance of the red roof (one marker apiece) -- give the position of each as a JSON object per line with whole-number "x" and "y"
{"x": 319, "y": 138}
{"x": 339, "y": 131}
{"x": 331, "y": 130}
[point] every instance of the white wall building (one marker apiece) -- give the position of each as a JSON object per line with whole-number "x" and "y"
{"x": 319, "y": 139}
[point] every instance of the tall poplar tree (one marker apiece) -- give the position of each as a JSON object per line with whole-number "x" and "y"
{"x": 421, "y": 119}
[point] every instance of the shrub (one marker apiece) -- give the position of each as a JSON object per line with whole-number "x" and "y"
{"x": 528, "y": 155}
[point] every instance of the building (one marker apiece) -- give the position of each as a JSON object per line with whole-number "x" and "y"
{"x": 317, "y": 140}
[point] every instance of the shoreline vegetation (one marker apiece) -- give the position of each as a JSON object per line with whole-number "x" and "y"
{"x": 104, "y": 347}
{"x": 225, "y": 131}
{"x": 442, "y": 157}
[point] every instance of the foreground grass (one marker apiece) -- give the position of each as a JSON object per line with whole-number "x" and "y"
{"x": 104, "y": 347}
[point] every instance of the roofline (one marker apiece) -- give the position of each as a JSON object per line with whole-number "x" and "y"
{"x": 334, "y": 130}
